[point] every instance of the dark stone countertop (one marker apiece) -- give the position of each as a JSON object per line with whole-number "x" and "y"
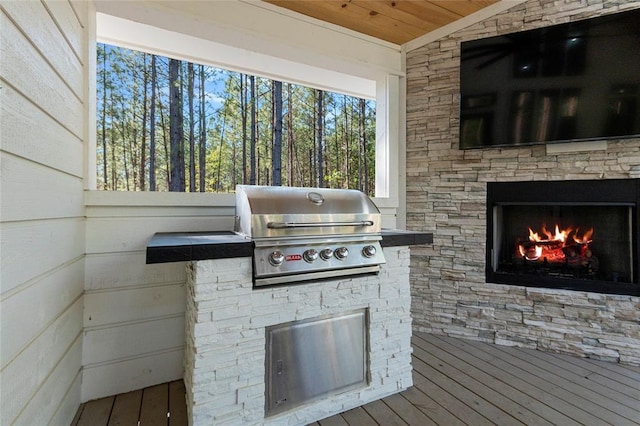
{"x": 167, "y": 247}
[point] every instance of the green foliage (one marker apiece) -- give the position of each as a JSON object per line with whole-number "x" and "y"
{"x": 222, "y": 109}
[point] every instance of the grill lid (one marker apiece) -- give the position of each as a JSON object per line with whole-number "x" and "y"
{"x": 270, "y": 212}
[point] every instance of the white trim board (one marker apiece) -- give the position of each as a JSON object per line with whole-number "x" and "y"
{"x": 252, "y": 37}
{"x": 150, "y": 39}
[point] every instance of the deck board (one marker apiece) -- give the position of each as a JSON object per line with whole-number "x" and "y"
{"x": 480, "y": 377}
{"x": 334, "y": 421}
{"x": 155, "y": 404}
{"x": 632, "y": 370}
{"x": 609, "y": 397}
{"x": 96, "y": 413}
{"x": 592, "y": 407}
{"x": 607, "y": 404}
{"x": 383, "y": 415}
{"x": 508, "y": 384}
{"x": 438, "y": 372}
{"x": 407, "y": 411}
{"x": 610, "y": 378}
{"x": 456, "y": 382}
{"x": 553, "y": 391}
{"x": 177, "y": 404}
{"x": 440, "y": 405}
{"x": 126, "y": 409}
{"x": 433, "y": 408}
{"x": 357, "y": 416}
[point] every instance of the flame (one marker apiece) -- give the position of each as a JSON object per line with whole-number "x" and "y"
{"x": 530, "y": 255}
{"x": 533, "y": 236}
{"x": 552, "y": 244}
{"x": 584, "y": 238}
{"x": 559, "y": 235}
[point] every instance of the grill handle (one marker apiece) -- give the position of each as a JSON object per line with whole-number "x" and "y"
{"x": 283, "y": 225}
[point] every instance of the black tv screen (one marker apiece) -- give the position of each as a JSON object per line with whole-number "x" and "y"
{"x": 568, "y": 82}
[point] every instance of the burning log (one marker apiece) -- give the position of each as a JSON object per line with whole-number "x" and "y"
{"x": 558, "y": 249}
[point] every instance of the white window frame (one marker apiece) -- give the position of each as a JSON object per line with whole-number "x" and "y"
{"x": 341, "y": 61}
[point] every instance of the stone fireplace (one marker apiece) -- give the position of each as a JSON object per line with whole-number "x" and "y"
{"x": 447, "y": 194}
{"x": 576, "y": 235}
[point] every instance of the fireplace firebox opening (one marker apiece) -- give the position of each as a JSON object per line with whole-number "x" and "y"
{"x": 576, "y": 235}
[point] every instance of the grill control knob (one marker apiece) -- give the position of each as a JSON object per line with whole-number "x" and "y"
{"x": 276, "y": 258}
{"x": 341, "y": 253}
{"x": 369, "y": 251}
{"x": 310, "y": 255}
{"x": 326, "y": 254}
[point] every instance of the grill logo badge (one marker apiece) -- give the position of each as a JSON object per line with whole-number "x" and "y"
{"x": 290, "y": 257}
{"x": 315, "y": 197}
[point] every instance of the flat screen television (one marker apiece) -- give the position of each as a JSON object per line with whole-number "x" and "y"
{"x": 570, "y": 82}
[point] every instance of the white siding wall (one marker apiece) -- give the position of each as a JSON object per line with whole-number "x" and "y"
{"x": 134, "y": 313}
{"x": 82, "y": 316}
{"x": 43, "y": 89}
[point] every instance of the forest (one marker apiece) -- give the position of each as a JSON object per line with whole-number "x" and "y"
{"x": 170, "y": 125}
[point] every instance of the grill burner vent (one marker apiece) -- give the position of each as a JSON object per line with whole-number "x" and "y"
{"x": 303, "y": 234}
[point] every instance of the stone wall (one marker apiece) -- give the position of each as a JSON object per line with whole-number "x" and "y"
{"x": 225, "y": 347}
{"x": 446, "y": 195}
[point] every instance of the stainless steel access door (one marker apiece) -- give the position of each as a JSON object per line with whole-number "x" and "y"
{"x": 309, "y": 359}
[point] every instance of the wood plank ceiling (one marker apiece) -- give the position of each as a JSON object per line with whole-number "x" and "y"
{"x": 395, "y": 21}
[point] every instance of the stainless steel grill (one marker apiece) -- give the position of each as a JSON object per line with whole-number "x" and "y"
{"x": 302, "y": 234}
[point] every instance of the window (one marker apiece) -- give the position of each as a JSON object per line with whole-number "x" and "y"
{"x": 258, "y": 40}
{"x": 165, "y": 124}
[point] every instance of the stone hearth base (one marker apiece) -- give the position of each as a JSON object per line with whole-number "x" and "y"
{"x": 225, "y": 348}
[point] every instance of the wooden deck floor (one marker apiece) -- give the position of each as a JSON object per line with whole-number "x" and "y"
{"x": 456, "y": 382}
